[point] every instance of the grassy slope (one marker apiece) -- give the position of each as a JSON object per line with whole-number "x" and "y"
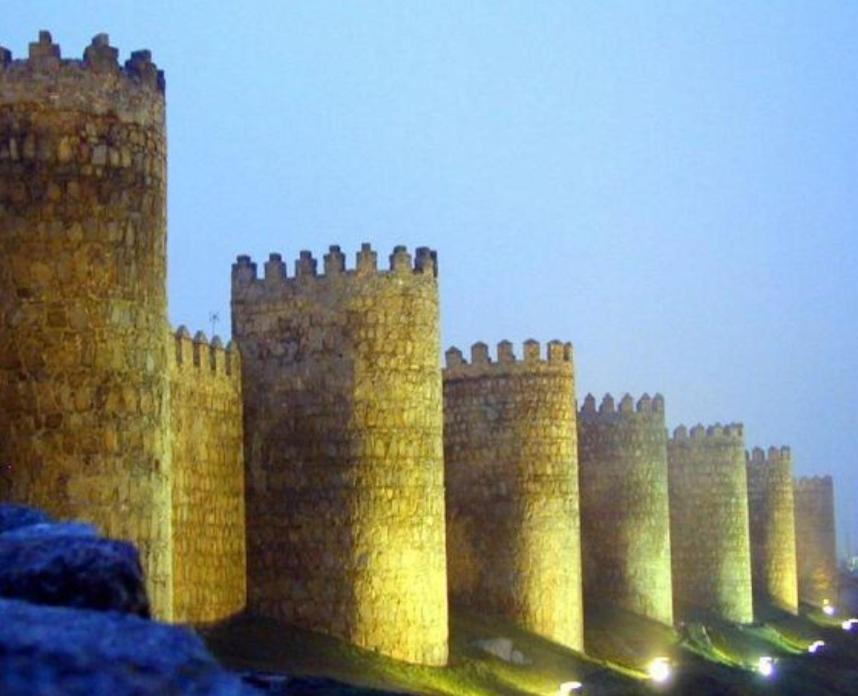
{"x": 716, "y": 659}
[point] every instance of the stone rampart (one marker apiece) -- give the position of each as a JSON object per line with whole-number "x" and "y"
{"x": 83, "y": 361}
{"x": 816, "y": 542}
{"x": 209, "y": 570}
{"x": 710, "y": 542}
{"x": 625, "y": 517}
{"x": 343, "y": 442}
{"x": 513, "y": 536}
{"x": 771, "y": 508}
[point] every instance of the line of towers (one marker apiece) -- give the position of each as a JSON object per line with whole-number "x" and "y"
{"x": 324, "y": 469}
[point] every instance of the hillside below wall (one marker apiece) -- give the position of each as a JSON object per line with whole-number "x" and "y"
{"x": 209, "y": 569}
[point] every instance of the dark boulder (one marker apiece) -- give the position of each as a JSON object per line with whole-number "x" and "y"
{"x": 13, "y": 516}
{"x": 77, "y": 652}
{"x": 65, "y": 567}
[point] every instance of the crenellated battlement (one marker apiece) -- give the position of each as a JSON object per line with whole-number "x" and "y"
{"x": 646, "y": 408}
{"x": 732, "y": 432}
{"x": 557, "y": 355}
{"x": 100, "y": 59}
{"x": 306, "y": 268}
{"x": 774, "y": 456}
{"x": 814, "y": 484}
{"x": 196, "y": 353}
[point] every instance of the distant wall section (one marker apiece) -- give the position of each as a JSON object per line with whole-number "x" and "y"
{"x": 771, "y": 504}
{"x": 816, "y": 543}
{"x": 710, "y": 542}
{"x": 625, "y": 517}
{"x": 209, "y": 569}
{"x": 513, "y": 536}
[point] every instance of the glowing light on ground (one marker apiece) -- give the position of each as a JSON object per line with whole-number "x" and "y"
{"x": 659, "y": 670}
{"x": 849, "y": 624}
{"x": 569, "y": 688}
{"x": 815, "y": 646}
{"x": 827, "y": 608}
{"x": 766, "y": 666}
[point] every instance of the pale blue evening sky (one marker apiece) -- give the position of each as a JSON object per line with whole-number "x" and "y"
{"x": 670, "y": 185}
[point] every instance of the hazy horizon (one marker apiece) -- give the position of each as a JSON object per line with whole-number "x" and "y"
{"x": 669, "y": 186}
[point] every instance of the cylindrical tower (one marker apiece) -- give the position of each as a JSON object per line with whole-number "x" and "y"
{"x": 816, "y": 541}
{"x": 771, "y": 507}
{"x": 625, "y": 517}
{"x": 343, "y": 444}
{"x": 513, "y": 536}
{"x": 83, "y": 355}
{"x": 710, "y": 544}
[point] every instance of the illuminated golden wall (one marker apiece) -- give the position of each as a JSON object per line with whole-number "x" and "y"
{"x": 513, "y": 537}
{"x": 709, "y": 535}
{"x": 209, "y": 569}
{"x": 84, "y": 388}
{"x": 816, "y": 543}
{"x": 625, "y": 518}
{"x": 771, "y": 505}
{"x": 343, "y": 443}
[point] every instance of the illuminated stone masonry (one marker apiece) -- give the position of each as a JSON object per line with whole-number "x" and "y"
{"x": 343, "y": 439}
{"x": 710, "y": 543}
{"x": 513, "y": 536}
{"x": 625, "y": 518}
{"x": 816, "y": 543}
{"x": 85, "y": 347}
{"x": 771, "y": 505}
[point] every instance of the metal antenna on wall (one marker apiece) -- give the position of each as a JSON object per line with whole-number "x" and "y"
{"x": 214, "y": 318}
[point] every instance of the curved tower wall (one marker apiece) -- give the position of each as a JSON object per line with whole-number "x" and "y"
{"x": 625, "y": 517}
{"x": 771, "y": 506}
{"x": 83, "y": 355}
{"x": 816, "y": 543}
{"x": 710, "y": 543}
{"x": 513, "y": 536}
{"x": 343, "y": 443}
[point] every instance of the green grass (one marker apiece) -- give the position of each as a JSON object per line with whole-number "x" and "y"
{"x": 710, "y": 657}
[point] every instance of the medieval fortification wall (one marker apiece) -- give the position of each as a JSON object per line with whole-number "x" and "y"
{"x": 83, "y": 360}
{"x": 625, "y": 518}
{"x": 513, "y": 536}
{"x": 816, "y": 543}
{"x": 343, "y": 439}
{"x": 209, "y": 571}
{"x": 710, "y": 544}
{"x": 771, "y": 508}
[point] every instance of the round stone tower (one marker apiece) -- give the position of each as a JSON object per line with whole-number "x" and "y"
{"x": 625, "y": 517}
{"x": 513, "y": 535}
{"x": 710, "y": 544}
{"x": 771, "y": 506}
{"x": 816, "y": 541}
{"x": 343, "y": 444}
{"x": 83, "y": 356}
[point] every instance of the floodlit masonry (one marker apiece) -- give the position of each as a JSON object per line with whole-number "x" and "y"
{"x": 710, "y": 544}
{"x": 85, "y": 366}
{"x": 513, "y": 536}
{"x": 816, "y": 542}
{"x": 343, "y": 439}
{"x": 625, "y": 518}
{"x": 771, "y": 505}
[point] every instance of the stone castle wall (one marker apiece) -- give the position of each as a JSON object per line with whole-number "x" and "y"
{"x": 513, "y": 536}
{"x": 816, "y": 543}
{"x": 625, "y": 517}
{"x": 209, "y": 570}
{"x": 710, "y": 543}
{"x": 771, "y": 507}
{"x": 343, "y": 442}
{"x": 83, "y": 360}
